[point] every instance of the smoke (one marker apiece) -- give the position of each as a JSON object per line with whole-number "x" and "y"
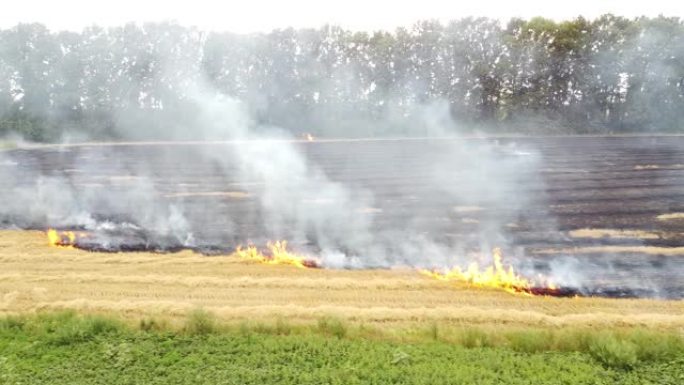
{"x": 293, "y": 196}
{"x": 248, "y": 180}
{"x": 297, "y": 200}
{"x": 35, "y": 195}
{"x": 467, "y": 196}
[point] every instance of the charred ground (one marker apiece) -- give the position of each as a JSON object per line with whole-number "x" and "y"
{"x": 622, "y": 188}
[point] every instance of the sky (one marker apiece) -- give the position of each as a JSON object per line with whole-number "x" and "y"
{"x": 264, "y": 15}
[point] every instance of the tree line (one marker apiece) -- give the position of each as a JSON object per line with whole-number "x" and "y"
{"x": 606, "y": 75}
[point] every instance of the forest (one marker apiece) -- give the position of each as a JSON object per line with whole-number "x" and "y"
{"x": 603, "y": 76}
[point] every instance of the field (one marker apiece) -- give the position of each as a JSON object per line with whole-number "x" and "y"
{"x": 36, "y": 277}
{"x": 188, "y": 318}
{"x": 66, "y": 349}
{"x": 609, "y": 210}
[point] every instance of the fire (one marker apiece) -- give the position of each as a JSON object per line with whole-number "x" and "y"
{"x": 309, "y": 137}
{"x": 276, "y": 254}
{"x": 62, "y": 238}
{"x": 494, "y": 276}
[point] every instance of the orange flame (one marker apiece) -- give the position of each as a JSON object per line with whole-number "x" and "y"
{"x": 494, "y": 276}
{"x": 276, "y": 254}
{"x": 62, "y": 238}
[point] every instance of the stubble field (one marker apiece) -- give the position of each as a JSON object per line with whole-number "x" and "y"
{"x": 37, "y": 277}
{"x": 608, "y": 210}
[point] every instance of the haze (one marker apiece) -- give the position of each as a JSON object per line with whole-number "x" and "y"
{"x": 265, "y": 15}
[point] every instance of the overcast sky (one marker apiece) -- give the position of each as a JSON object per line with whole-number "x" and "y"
{"x": 265, "y": 15}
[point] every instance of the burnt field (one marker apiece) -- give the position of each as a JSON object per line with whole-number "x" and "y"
{"x": 603, "y": 215}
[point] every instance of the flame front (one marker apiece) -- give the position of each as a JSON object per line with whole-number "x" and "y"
{"x": 494, "y": 276}
{"x": 62, "y": 238}
{"x": 277, "y": 254}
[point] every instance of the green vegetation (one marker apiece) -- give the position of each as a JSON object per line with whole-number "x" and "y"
{"x": 609, "y": 74}
{"x": 63, "y": 348}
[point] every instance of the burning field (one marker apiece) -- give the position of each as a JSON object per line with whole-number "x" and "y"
{"x": 381, "y": 230}
{"x": 252, "y": 285}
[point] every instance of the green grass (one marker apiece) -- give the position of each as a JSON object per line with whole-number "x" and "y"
{"x": 200, "y": 322}
{"x": 65, "y": 348}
